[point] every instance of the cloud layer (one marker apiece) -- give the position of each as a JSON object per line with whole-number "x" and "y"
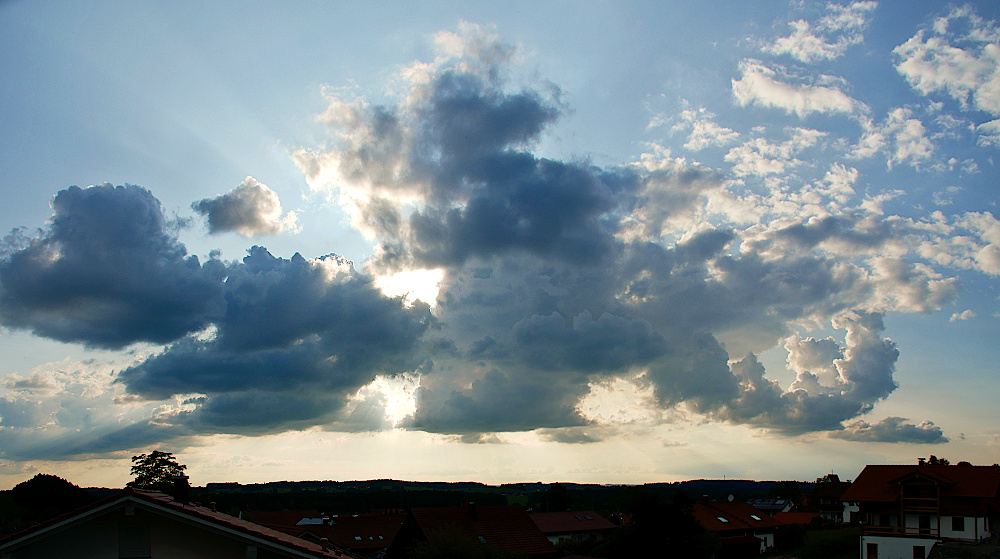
{"x": 557, "y": 277}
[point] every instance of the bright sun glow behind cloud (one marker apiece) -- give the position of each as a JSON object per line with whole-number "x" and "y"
{"x": 621, "y": 401}
{"x": 413, "y": 285}
{"x": 398, "y": 391}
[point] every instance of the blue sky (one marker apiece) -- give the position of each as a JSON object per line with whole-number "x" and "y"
{"x": 558, "y": 242}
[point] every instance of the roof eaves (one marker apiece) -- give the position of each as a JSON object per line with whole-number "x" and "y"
{"x": 184, "y": 513}
{"x": 256, "y": 534}
{"x": 64, "y": 522}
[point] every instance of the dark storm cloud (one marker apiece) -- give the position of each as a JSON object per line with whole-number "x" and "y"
{"x": 544, "y": 207}
{"x": 893, "y": 430}
{"x": 658, "y": 307}
{"x": 846, "y": 229}
{"x": 573, "y": 435}
{"x": 281, "y": 344}
{"x": 609, "y": 343}
{"x": 469, "y": 119}
{"x": 108, "y": 271}
{"x": 498, "y": 402}
{"x": 30, "y": 444}
{"x": 298, "y": 338}
{"x": 195, "y": 367}
{"x": 275, "y": 302}
{"x": 461, "y": 147}
{"x": 249, "y": 209}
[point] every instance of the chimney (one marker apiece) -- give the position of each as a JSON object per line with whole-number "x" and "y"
{"x": 181, "y": 488}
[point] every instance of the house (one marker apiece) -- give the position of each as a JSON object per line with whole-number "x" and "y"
{"x": 744, "y": 530}
{"x": 506, "y": 528}
{"x": 142, "y": 524}
{"x": 572, "y": 525}
{"x": 827, "y": 497}
{"x": 365, "y": 535}
{"x": 906, "y": 510}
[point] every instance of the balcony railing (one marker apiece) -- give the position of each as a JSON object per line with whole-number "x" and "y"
{"x": 906, "y": 531}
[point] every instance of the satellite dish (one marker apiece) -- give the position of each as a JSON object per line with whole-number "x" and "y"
{"x": 731, "y": 498}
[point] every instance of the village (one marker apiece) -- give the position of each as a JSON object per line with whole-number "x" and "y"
{"x": 926, "y": 510}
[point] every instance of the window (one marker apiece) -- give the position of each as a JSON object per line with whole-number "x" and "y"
{"x": 883, "y": 519}
{"x": 871, "y": 551}
{"x": 722, "y": 519}
{"x": 958, "y": 523}
{"x": 918, "y": 552}
{"x": 481, "y": 539}
{"x": 924, "y": 524}
{"x": 755, "y": 517}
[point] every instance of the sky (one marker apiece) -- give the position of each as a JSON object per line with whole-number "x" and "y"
{"x": 597, "y": 242}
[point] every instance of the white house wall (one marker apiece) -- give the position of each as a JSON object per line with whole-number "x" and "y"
{"x": 849, "y": 509}
{"x": 895, "y": 548}
{"x": 975, "y": 529}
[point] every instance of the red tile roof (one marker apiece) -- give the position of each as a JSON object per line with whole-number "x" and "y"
{"x": 358, "y": 533}
{"x": 506, "y": 528}
{"x": 736, "y": 515}
{"x": 568, "y": 522}
{"x": 796, "y": 517}
{"x": 881, "y": 483}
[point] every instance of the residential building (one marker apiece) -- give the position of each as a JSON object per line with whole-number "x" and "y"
{"x": 744, "y": 530}
{"x": 365, "y": 535}
{"x": 572, "y": 525}
{"x": 827, "y": 498}
{"x": 506, "y": 528}
{"x": 906, "y": 510}
{"x": 143, "y": 524}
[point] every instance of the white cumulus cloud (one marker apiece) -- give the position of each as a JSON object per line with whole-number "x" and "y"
{"x": 763, "y": 86}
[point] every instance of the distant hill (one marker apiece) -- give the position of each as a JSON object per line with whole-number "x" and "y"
{"x": 379, "y": 495}
{"x": 354, "y": 497}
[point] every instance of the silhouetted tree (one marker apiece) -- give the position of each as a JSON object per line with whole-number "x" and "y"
{"x": 556, "y": 498}
{"x": 791, "y": 490}
{"x": 789, "y": 536}
{"x": 153, "y": 471}
{"x": 656, "y": 526}
{"x": 933, "y": 460}
{"x": 46, "y": 496}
